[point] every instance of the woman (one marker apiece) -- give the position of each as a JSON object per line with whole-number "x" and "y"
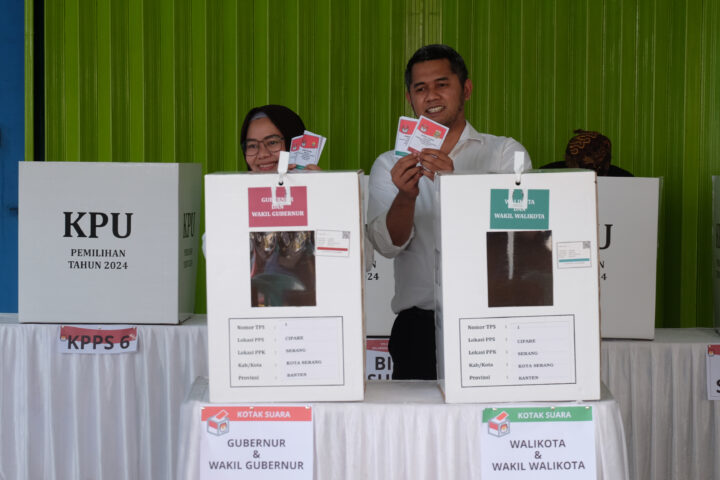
{"x": 265, "y": 132}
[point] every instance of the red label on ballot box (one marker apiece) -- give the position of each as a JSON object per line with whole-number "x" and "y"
{"x": 97, "y": 339}
{"x": 258, "y": 413}
{"x": 268, "y": 210}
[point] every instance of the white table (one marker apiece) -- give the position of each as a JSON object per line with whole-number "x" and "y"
{"x": 116, "y": 416}
{"x": 673, "y": 431}
{"x": 403, "y": 430}
{"x": 94, "y": 416}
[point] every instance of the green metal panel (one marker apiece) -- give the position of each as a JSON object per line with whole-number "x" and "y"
{"x": 171, "y": 80}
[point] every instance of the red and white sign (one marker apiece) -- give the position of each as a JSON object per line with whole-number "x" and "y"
{"x": 272, "y": 442}
{"x": 97, "y": 339}
{"x": 378, "y": 362}
{"x": 263, "y": 212}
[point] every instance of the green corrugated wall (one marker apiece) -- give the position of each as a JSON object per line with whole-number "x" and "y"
{"x": 164, "y": 81}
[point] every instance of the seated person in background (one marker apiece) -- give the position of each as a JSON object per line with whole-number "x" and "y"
{"x": 590, "y": 150}
{"x": 265, "y": 132}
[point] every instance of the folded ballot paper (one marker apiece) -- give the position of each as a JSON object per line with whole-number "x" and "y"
{"x": 306, "y": 149}
{"x": 415, "y": 134}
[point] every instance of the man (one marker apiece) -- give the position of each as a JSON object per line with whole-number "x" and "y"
{"x": 590, "y": 150}
{"x": 401, "y": 209}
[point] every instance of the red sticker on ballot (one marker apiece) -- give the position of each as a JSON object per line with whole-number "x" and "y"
{"x": 268, "y": 210}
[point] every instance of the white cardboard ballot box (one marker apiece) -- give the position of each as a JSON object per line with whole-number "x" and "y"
{"x": 285, "y": 287}
{"x": 379, "y": 289}
{"x": 628, "y": 228}
{"x": 108, "y": 242}
{"x": 517, "y": 308}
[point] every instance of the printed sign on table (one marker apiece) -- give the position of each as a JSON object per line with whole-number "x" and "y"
{"x": 98, "y": 339}
{"x": 256, "y": 442}
{"x": 712, "y": 362}
{"x": 539, "y": 443}
{"x": 378, "y": 362}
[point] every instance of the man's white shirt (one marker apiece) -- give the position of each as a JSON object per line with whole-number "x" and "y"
{"x": 415, "y": 260}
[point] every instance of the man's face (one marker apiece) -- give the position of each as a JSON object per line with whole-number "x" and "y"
{"x": 435, "y": 92}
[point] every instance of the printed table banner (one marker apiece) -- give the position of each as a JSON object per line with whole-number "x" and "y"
{"x": 256, "y": 442}
{"x": 539, "y": 443}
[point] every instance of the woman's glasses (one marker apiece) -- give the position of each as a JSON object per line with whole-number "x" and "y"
{"x": 273, "y": 143}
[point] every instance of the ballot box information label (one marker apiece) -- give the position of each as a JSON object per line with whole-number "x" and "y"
{"x": 256, "y": 442}
{"x": 536, "y": 350}
{"x": 538, "y": 442}
{"x": 332, "y": 243}
{"x": 573, "y": 254}
{"x": 286, "y": 351}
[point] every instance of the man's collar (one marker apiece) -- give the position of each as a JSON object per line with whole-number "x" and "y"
{"x": 469, "y": 133}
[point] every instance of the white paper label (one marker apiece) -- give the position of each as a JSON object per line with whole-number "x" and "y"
{"x": 573, "y": 254}
{"x": 517, "y": 351}
{"x": 286, "y": 351}
{"x": 539, "y": 443}
{"x": 256, "y": 442}
{"x": 97, "y": 339}
{"x": 332, "y": 243}
{"x": 712, "y": 362}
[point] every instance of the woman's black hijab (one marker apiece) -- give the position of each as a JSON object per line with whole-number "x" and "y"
{"x": 288, "y": 122}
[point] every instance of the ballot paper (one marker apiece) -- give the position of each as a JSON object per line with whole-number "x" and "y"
{"x": 406, "y": 127}
{"x": 306, "y": 149}
{"x": 427, "y": 134}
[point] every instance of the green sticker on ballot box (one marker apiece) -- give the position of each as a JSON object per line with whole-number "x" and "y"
{"x": 519, "y": 209}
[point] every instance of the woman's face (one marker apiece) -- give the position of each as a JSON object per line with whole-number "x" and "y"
{"x": 261, "y": 134}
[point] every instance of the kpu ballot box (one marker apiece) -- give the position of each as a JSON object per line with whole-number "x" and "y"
{"x": 285, "y": 286}
{"x": 108, "y": 242}
{"x": 517, "y": 308}
{"x": 627, "y": 249}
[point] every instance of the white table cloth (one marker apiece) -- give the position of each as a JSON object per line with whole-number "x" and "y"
{"x": 116, "y": 416}
{"x": 72, "y": 416}
{"x": 672, "y": 429}
{"x": 403, "y": 430}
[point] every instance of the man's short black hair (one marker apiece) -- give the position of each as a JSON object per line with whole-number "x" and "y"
{"x": 437, "y": 52}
